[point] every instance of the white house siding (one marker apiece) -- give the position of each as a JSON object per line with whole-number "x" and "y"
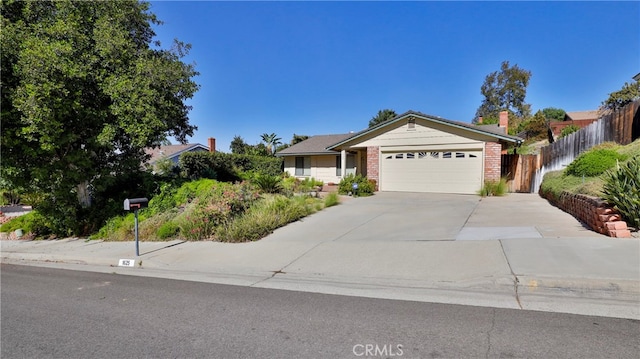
{"x": 323, "y": 168}
{"x": 421, "y": 135}
{"x": 427, "y": 170}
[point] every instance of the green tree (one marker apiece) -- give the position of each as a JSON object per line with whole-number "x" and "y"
{"x": 270, "y": 141}
{"x": 536, "y": 128}
{"x": 84, "y": 91}
{"x": 617, "y": 100}
{"x": 238, "y": 146}
{"x": 382, "y": 116}
{"x": 553, "y": 114}
{"x": 505, "y": 90}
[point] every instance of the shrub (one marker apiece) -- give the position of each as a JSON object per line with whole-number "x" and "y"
{"x": 265, "y": 216}
{"x": 168, "y": 230}
{"x": 494, "y": 188}
{"x": 32, "y": 222}
{"x": 594, "y": 162}
{"x": 331, "y": 199}
{"x": 622, "y": 189}
{"x": 569, "y": 130}
{"x": 212, "y": 165}
{"x": 261, "y": 164}
{"x": 267, "y": 183}
{"x": 365, "y": 186}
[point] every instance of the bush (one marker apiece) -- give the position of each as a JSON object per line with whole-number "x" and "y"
{"x": 268, "y": 183}
{"x": 569, "y": 130}
{"x": 366, "y": 187}
{"x": 272, "y": 212}
{"x": 266, "y": 165}
{"x": 594, "y": 162}
{"x": 331, "y": 199}
{"x": 226, "y": 167}
{"x": 32, "y": 222}
{"x": 494, "y": 188}
{"x": 622, "y": 189}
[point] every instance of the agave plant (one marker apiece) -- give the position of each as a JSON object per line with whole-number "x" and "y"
{"x": 622, "y": 189}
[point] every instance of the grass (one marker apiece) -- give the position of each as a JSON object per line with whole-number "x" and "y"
{"x": 211, "y": 210}
{"x": 559, "y": 181}
{"x": 494, "y": 188}
{"x": 272, "y": 212}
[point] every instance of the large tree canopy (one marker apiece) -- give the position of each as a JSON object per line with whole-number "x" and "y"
{"x": 84, "y": 91}
{"x": 505, "y": 90}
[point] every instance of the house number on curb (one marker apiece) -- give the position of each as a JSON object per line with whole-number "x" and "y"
{"x": 127, "y": 263}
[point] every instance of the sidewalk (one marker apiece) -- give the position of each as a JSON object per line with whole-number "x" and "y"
{"x": 554, "y": 266}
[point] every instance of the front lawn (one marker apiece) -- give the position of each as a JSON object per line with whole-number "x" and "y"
{"x": 210, "y": 210}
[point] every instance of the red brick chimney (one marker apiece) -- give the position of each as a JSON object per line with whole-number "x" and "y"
{"x": 504, "y": 121}
{"x": 480, "y": 120}
{"x": 212, "y": 144}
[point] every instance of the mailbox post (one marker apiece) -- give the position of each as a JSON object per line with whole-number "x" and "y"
{"x": 135, "y": 204}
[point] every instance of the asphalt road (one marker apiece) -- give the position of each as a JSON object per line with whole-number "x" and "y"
{"x": 51, "y": 313}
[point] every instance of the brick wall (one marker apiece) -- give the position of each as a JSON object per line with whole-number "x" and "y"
{"x": 592, "y": 211}
{"x": 373, "y": 164}
{"x": 492, "y": 160}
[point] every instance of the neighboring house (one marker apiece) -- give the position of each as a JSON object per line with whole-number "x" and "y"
{"x": 413, "y": 152}
{"x": 578, "y": 118}
{"x": 173, "y": 152}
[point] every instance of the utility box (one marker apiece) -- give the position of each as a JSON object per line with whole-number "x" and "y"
{"x": 134, "y": 204}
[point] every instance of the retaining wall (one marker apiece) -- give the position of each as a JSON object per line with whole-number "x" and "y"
{"x": 592, "y": 211}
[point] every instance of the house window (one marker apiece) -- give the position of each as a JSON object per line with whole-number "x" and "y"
{"x": 303, "y": 166}
{"x": 351, "y": 165}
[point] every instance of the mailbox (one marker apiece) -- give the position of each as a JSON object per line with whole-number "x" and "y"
{"x": 134, "y": 204}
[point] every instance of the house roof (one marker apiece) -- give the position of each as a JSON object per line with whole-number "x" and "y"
{"x": 582, "y": 115}
{"x": 492, "y": 131}
{"x": 171, "y": 151}
{"x": 314, "y": 145}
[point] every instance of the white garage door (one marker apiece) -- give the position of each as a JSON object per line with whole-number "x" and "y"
{"x": 440, "y": 171}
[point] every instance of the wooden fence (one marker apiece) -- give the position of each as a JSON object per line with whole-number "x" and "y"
{"x": 525, "y": 173}
{"x": 617, "y": 127}
{"x": 519, "y": 171}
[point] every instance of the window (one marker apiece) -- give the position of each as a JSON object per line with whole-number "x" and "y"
{"x": 446, "y": 155}
{"x": 303, "y": 166}
{"x": 459, "y": 154}
{"x": 410, "y": 155}
{"x": 351, "y": 165}
{"x": 400, "y": 155}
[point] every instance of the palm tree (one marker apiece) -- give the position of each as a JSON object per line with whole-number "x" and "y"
{"x": 271, "y": 140}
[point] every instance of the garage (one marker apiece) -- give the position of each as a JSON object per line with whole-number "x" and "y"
{"x": 434, "y": 170}
{"x": 415, "y": 152}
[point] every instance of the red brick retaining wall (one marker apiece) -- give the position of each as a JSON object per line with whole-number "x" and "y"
{"x": 592, "y": 211}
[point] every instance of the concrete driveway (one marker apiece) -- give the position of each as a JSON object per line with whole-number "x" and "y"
{"x": 399, "y": 216}
{"x": 515, "y": 251}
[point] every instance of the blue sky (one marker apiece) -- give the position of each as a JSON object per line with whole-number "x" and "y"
{"x": 327, "y": 67}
